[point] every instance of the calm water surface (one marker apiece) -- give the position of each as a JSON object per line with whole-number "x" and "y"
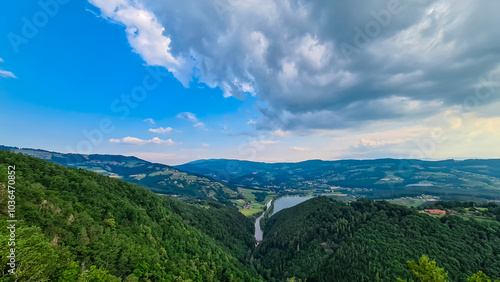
{"x": 288, "y": 202}
{"x": 280, "y": 204}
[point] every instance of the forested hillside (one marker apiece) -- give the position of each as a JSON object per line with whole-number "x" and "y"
{"x": 327, "y": 240}
{"x": 75, "y": 224}
{"x": 159, "y": 178}
{"x": 466, "y": 180}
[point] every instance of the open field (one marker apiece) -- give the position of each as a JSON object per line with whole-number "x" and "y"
{"x": 250, "y": 206}
{"x": 407, "y": 202}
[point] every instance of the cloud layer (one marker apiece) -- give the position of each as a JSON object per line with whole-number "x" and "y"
{"x": 323, "y": 64}
{"x": 137, "y": 141}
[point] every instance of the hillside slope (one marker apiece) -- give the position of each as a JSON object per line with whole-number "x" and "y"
{"x": 159, "y": 178}
{"x": 75, "y": 223}
{"x": 327, "y": 240}
{"x": 466, "y": 180}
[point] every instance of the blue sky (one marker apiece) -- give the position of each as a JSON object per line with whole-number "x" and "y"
{"x": 260, "y": 80}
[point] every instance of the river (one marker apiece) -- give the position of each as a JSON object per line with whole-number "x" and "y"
{"x": 258, "y": 230}
{"x": 280, "y": 204}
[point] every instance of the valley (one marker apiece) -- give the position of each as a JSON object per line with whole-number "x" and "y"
{"x": 89, "y": 227}
{"x": 352, "y": 179}
{"x": 249, "y": 141}
{"x": 159, "y": 178}
{"x": 250, "y": 185}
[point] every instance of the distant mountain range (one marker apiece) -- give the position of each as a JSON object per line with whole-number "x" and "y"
{"x": 375, "y": 179}
{"x": 222, "y": 180}
{"x": 159, "y": 178}
{"x": 76, "y": 225}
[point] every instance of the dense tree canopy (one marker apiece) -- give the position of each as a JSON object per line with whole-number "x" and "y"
{"x": 78, "y": 224}
{"x": 328, "y": 240}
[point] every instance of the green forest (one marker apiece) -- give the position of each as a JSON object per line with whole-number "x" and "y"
{"x": 159, "y": 178}
{"x": 328, "y": 240}
{"x": 77, "y": 225}
{"x": 379, "y": 179}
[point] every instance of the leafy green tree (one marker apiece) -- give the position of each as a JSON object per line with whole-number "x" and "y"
{"x": 111, "y": 222}
{"x": 293, "y": 279}
{"x": 480, "y": 277}
{"x": 71, "y": 273}
{"x": 427, "y": 271}
{"x": 97, "y": 275}
{"x": 35, "y": 258}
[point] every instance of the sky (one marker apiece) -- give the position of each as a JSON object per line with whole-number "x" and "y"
{"x": 262, "y": 80}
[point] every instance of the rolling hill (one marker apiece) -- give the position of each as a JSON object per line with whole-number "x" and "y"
{"x": 328, "y": 240}
{"x": 159, "y": 178}
{"x": 375, "y": 179}
{"x": 77, "y": 225}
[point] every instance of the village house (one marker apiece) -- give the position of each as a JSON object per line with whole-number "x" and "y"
{"x": 435, "y": 212}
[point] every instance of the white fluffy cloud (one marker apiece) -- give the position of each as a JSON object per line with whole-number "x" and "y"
{"x": 149, "y": 120}
{"x": 301, "y": 149}
{"x": 145, "y": 35}
{"x": 161, "y": 130}
{"x": 6, "y": 74}
{"x": 261, "y": 144}
{"x": 192, "y": 118}
{"x": 281, "y": 133}
{"x": 188, "y": 116}
{"x": 137, "y": 141}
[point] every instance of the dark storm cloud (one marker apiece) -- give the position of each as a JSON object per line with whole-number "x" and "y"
{"x": 338, "y": 64}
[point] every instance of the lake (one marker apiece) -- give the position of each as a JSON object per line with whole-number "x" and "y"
{"x": 280, "y": 204}
{"x": 420, "y": 185}
{"x": 288, "y": 202}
